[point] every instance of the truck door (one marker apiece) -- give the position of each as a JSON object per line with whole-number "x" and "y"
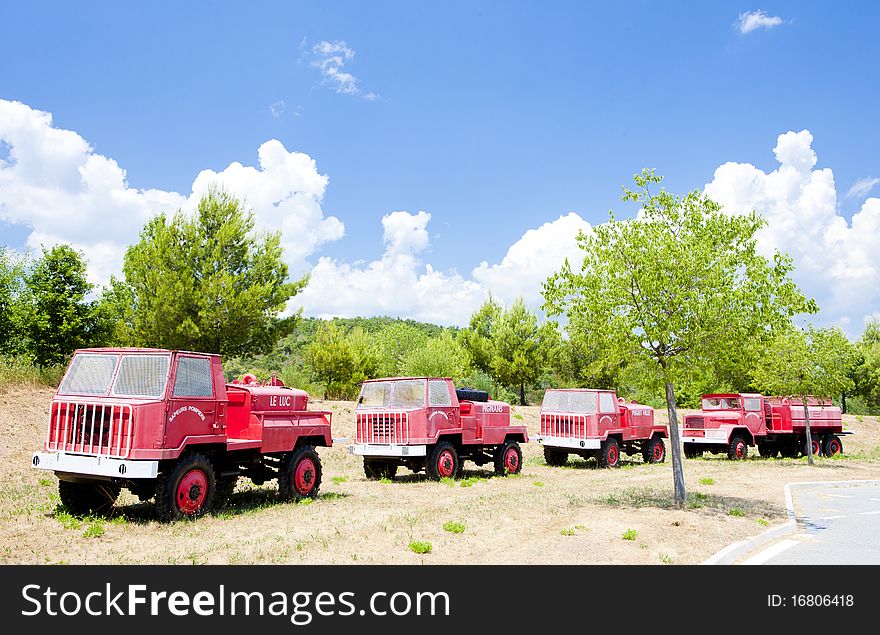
{"x": 441, "y": 412}
{"x": 192, "y": 407}
{"x": 754, "y": 415}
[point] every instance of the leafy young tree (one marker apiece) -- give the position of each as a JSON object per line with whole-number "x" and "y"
{"x": 330, "y": 357}
{"x": 477, "y": 338}
{"x": 364, "y": 358}
{"x": 209, "y": 283}
{"x": 114, "y": 314}
{"x": 867, "y": 371}
{"x": 393, "y": 343}
{"x": 58, "y": 318}
{"x": 11, "y": 282}
{"x": 440, "y": 356}
{"x": 519, "y": 348}
{"x": 814, "y": 362}
{"x": 680, "y": 285}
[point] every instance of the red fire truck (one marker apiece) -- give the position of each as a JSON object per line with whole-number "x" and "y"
{"x": 424, "y": 423}
{"x": 165, "y": 424}
{"x": 731, "y": 422}
{"x": 596, "y": 423}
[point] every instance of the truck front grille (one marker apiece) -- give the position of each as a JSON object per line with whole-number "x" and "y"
{"x": 571, "y": 426}
{"x": 91, "y": 428}
{"x": 383, "y": 428}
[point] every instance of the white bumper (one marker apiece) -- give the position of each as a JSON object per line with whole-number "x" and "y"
{"x": 713, "y": 437}
{"x": 94, "y": 465}
{"x": 568, "y": 442}
{"x": 369, "y": 449}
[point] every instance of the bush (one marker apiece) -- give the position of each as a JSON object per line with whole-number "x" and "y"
{"x": 481, "y": 381}
{"x": 454, "y": 527}
{"x": 420, "y": 546}
{"x": 19, "y": 371}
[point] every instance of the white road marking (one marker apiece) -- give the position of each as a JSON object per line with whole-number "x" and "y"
{"x": 840, "y": 495}
{"x": 831, "y": 517}
{"x": 868, "y": 513}
{"x": 771, "y": 552}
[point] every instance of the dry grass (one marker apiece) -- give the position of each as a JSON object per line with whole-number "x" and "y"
{"x": 508, "y": 520}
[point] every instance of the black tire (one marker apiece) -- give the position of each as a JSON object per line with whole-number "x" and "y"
{"x": 654, "y": 451}
{"x": 609, "y": 453}
{"x": 471, "y": 394}
{"x": 768, "y": 450}
{"x": 372, "y": 469}
{"x": 225, "y": 487}
{"x": 554, "y": 457}
{"x": 82, "y": 499}
{"x": 144, "y": 489}
{"x": 692, "y": 451}
{"x": 508, "y": 459}
{"x": 817, "y": 446}
{"x": 790, "y": 450}
{"x": 300, "y": 474}
{"x": 446, "y": 453}
{"x": 169, "y": 506}
{"x": 832, "y": 445}
{"x": 737, "y": 449}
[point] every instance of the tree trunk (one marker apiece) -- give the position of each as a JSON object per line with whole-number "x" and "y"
{"x": 809, "y": 447}
{"x": 843, "y": 403}
{"x": 522, "y": 394}
{"x": 675, "y": 446}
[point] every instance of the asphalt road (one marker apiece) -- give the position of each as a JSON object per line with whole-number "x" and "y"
{"x": 838, "y": 524}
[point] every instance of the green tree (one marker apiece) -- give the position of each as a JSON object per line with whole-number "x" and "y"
{"x": 519, "y": 348}
{"x": 393, "y": 343}
{"x": 867, "y": 371}
{"x": 680, "y": 285}
{"x": 802, "y": 363}
{"x": 330, "y": 358}
{"x": 11, "y": 309}
{"x": 58, "y": 318}
{"x": 364, "y": 357}
{"x": 114, "y": 314}
{"x": 477, "y": 338}
{"x": 440, "y": 356}
{"x": 210, "y": 283}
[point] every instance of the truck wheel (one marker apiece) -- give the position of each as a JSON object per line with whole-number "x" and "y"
{"x": 508, "y": 459}
{"x": 768, "y": 450}
{"x": 692, "y": 451}
{"x": 609, "y": 454}
{"x": 655, "y": 451}
{"x": 188, "y": 490}
{"x": 833, "y": 445}
{"x": 82, "y": 499}
{"x": 737, "y": 450}
{"x": 225, "y": 487}
{"x": 815, "y": 446}
{"x": 555, "y": 458}
{"x": 371, "y": 469}
{"x": 443, "y": 462}
{"x": 300, "y": 474}
{"x": 791, "y": 450}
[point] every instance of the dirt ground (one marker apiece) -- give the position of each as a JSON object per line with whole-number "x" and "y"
{"x": 572, "y": 515}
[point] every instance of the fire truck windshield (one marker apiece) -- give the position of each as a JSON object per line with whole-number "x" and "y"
{"x": 409, "y": 393}
{"x": 579, "y": 401}
{"x": 137, "y": 375}
{"x": 721, "y": 403}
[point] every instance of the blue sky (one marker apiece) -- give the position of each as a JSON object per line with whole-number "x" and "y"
{"x": 493, "y": 117}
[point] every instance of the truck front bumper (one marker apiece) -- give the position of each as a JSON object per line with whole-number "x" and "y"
{"x": 402, "y": 451}
{"x": 568, "y": 442}
{"x": 94, "y": 465}
{"x": 720, "y": 439}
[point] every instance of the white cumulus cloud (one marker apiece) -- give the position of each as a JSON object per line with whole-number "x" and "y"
{"x": 53, "y": 182}
{"x": 837, "y": 262}
{"x": 752, "y": 20}
{"x": 401, "y": 284}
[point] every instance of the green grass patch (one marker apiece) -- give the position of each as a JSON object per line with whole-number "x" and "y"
{"x": 420, "y": 546}
{"x": 95, "y": 530}
{"x": 763, "y": 522}
{"x": 630, "y": 534}
{"x": 338, "y": 480}
{"x": 67, "y": 520}
{"x": 448, "y": 481}
{"x": 537, "y": 483}
{"x": 470, "y": 480}
{"x": 386, "y": 481}
{"x": 45, "y": 482}
{"x": 736, "y": 511}
{"x": 707, "y": 481}
{"x": 568, "y": 531}
{"x": 454, "y": 527}
{"x": 305, "y": 501}
{"x": 517, "y": 416}
{"x": 665, "y": 558}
